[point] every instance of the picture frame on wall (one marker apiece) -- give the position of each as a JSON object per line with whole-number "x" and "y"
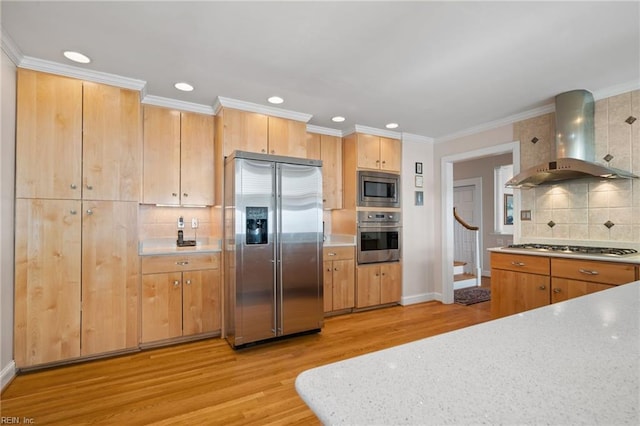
{"x": 508, "y": 209}
{"x": 418, "y": 168}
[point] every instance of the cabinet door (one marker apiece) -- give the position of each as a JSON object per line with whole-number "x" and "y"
{"x": 200, "y": 301}
{"x": 513, "y": 292}
{"x": 331, "y": 155}
{"x": 48, "y": 136}
{"x": 327, "y": 286}
{"x": 287, "y": 137}
{"x": 390, "y": 282}
{"x": 244, "y": 131}
{"x": 161, "y": 306}
{"x": 111, "y": 144}
{"x": 564, "y": 289}
{"x": 313, "y": 146}
{"x": 47, "y": 281}
{"x": 368, "y": 151}
{"x": 390, "y": 155}
{"x": 196, "y": 163}
{"x": 343, "y": 284}
{"x": 109, "y": 276}
{"x": 161, "y": 182}
{"x": 368, "y": 286}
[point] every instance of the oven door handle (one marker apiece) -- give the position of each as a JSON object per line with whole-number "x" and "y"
{"x": 367, "y": 226}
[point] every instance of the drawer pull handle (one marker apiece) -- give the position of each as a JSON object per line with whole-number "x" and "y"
{"x": 182, "y": 262}
{"x": 332, "y": 254}
{"x": 543, "y": 287}
{"x": 517, "y": 263}
{"x": 588, "y": 272}
{"x": 557, "y": 290}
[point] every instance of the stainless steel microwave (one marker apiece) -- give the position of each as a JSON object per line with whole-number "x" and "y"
{"x": 378, "y": 189}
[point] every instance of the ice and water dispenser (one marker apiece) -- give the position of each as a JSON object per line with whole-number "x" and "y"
{"x": 257, "y": 225}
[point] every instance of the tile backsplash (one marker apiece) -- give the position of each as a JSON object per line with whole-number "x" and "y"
{"x": 161, "y": 222}
{"x": 578, "y": 210}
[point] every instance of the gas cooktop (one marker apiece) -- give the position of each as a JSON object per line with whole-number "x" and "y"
{"x": 606, "y": 251}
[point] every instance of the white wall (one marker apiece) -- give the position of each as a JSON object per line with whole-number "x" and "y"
{"x": 7, "y": 176}
{"x": 418, "y": 244}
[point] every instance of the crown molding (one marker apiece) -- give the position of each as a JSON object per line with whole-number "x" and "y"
{"x": 260, "y": 109}
{"x": 410, "y": 137}
{"x": 372, "y": 131}
{"x": 10, "y": 48}
{"x": 36, "y": 64}
{"x": 618, "y": 89}
{"x": 176, "y": 104}
{"x": 499, "y": 123}
{"x": 324, "y": 130}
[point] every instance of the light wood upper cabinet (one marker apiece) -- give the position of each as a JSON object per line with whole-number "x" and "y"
{"x": 47, "y": 281}
{"x": 49, "y": 136}
{"x": 379, "y": 153}
{"x": 329, "y": 150}
{"x": 110, "y": 273}
{"x": 287, "y": 137}
{"x": 112, "y": 143}
{"x": 244, "y": 131}
{"x": 178, "y": 157}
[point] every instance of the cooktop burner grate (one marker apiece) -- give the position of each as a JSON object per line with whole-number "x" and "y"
{"x": 612, "y": 251}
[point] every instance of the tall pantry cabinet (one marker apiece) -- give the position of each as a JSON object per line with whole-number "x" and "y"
{"x": 78, "y": 180}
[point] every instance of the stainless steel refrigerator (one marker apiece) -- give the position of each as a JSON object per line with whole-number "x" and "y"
{"x": 272, "y": 247}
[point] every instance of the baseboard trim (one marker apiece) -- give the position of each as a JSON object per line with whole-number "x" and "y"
{"x": 418, "y": 298}
{"x": 7, "y": 374}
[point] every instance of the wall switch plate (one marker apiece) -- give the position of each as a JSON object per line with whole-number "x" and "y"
{"x": 525, "y": 215}
{"x": 194, "y": 223}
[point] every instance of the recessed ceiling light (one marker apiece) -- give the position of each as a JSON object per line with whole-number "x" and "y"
{"x": 392, "y": 126}
{"x": 275, "y": 100}
{"x": 338, "y": 119}
{"x": 185, "y": 87}
{"x": 76, "y": 57}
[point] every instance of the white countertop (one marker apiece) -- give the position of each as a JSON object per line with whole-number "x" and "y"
{"x": 337, "y": 240}
{"x": 568, "y": 363}
{"x": 634, "y": 259}
{"x": 159, "y": 246}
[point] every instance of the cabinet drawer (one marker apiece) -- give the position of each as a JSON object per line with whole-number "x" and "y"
{"x": 171, "y": 263}
{"x": 593, "y": 271}
{"x": 520, "y": 263}
{"x": 337, "y": 253}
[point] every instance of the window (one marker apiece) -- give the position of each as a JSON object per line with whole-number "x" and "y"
{"x": 503, "y": 200}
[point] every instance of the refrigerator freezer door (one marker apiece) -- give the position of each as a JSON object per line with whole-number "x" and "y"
{"x": 255, "y": 257}
{"x": 299, "y": 239}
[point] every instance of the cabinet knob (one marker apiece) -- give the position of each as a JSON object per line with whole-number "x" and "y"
{"x": 557, "y": 290}
{"x": 176, "y": 283}
{"x": 89, "y": 187}
{"x": 377, "y": 274}
{"x": 273, "y": 151}
{"x": 542, "y": 287}
{"x": 89, "y": 211}
{"x": 384, "y": 162}
{"x": 185, "y": 195}
{"x": 263, "y": 150}
{"x": 383, "y": 274}
{"x": 188, "y": 282}
{"x": 335, "y": 269}
{"x": 73, "y": 212}
{"x": 328, "y": 269}
{"x": 73, "y": 186}
{"x": 174, "y": 194}
{"x": 377, "y": 161}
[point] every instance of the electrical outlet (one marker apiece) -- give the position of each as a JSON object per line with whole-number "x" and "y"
{"x": 180, "y": 223}
{"x": 194, "y": 223}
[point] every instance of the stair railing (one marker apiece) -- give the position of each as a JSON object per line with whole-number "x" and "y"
{"x": 476, "y": 232}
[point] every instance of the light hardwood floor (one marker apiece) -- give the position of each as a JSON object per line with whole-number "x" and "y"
{"x": 207, "y": 382}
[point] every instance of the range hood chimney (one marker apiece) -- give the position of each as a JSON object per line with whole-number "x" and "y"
{"x": 574, "y": 145}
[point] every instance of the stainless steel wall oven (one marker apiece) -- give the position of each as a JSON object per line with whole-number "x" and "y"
{"x": 379, "y": 237}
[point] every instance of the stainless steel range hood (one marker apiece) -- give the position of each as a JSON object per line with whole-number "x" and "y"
{"x": 575, "y": 147}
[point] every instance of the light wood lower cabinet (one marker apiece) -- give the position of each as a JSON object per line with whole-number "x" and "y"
{"x": 180, "y": 296}
{"x": 522, "y": 282}
{"x": 339, "y": 278}
{"x": 76, "y": 279}
{"x": 378, "y": 284}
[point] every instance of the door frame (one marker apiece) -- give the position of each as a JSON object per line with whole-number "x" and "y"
{"x": 446, "y": 203}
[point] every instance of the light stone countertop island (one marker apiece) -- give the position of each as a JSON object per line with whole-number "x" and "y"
{"x": 574, "y": 362}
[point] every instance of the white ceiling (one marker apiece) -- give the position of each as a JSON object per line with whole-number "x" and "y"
{"x": 436, "y": 68}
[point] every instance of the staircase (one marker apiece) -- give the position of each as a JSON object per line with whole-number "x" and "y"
{"x": 460, "y": 278}
{"x": 463, "y": 270}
